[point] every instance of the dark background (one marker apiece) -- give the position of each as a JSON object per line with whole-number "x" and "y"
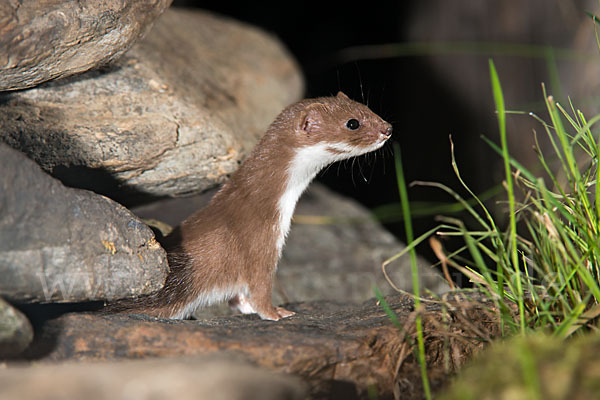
{"x": 423, "y": 101}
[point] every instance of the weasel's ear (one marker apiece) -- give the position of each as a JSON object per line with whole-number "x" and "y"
{"x": 310, "y": 119}
{"x": 341, "y": 95}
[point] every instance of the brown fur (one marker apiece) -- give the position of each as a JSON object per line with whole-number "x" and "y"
{"x": 232, "y": 242}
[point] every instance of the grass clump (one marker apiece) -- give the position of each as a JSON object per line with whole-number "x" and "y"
{"x": 547, "y": 271}
{"x": 541, "y": 271}
{"x": 551, "y": 272}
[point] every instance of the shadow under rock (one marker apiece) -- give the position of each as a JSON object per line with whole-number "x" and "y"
{"x": 45, "y": 340}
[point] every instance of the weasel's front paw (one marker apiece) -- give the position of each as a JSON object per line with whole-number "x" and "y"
{"x": 283, "y": 313}
{"x": 276, "y": 314}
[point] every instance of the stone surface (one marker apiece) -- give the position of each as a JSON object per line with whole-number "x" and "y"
{"x": 52, "y": 39}
{"x": 16, "y": 332}
{"x": 334, "y": 251}
{"x": 333, "y": 347}
{"x": 536, "y": 366}
{"x": 174, "y": 115}
{"x": 68, "y": 245}
{"x": 182, "y": 379}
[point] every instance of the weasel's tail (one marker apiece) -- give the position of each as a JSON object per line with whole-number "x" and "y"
{"x": 168, "y": 301}
{"x": 148, "y": 305}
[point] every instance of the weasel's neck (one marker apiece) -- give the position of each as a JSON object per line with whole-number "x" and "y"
{"x": 264, "y": 191}
{"x": 301, "y": 170}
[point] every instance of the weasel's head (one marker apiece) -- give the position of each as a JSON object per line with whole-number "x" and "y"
{"x": 342, "y": 127}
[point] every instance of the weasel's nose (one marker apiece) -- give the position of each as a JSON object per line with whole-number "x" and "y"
{"x": 388, "y": 131}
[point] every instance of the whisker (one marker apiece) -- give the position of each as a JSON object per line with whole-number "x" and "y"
{"x": 362, "y": 174}
{"x": 352, "y": 172}
{"x": 373, "y": 167}
{"x": 360, "y": 82}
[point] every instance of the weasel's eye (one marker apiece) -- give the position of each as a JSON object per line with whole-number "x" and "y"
{"x": 352, "y": 124}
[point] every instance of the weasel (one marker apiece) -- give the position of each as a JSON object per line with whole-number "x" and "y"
{"x": 229, "y": 250}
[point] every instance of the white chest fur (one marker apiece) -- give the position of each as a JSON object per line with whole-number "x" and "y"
{"x": 305, "y": 165}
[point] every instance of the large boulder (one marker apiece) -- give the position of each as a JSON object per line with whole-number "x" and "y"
{"x": 59, "y": 244}
{"x": 173, "y": 116}
{"x": 56, "y": 38}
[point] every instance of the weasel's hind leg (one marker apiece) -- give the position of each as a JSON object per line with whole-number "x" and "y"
{"x": 258, "y": 300}
{"x": 240, "y": 302}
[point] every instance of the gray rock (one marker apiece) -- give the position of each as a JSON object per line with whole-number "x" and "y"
{"x": 174, "y": 115}
{"x": 189, "y": 378}
{"x": 52, "y": 39}
{"x": 66, "y": 245}
{"x": 16, "y": 332}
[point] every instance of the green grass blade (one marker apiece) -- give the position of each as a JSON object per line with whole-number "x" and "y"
{"x": 388, "y": 310}
{"x": 512, "y": 235}
{"x": 415, "y": 273}
{"x": 569, "y": 321}
{"x": 594, "y": 18}
{"x": 513, "y": 162}
{"x": 459, "y": 199}
{"x": 597, "y": 193}
{"x": 411, "y": 245}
